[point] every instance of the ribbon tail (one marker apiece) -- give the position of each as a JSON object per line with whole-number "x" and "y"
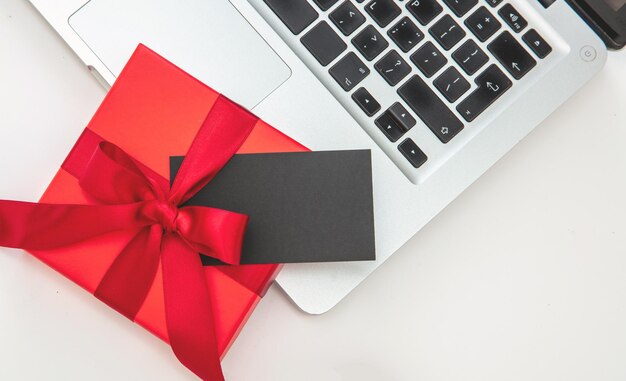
{"x": 125, "y": 285}
{"x": 32, "y": 226}
{"x": 188, "y": 310}
{"x": 113, "y": 177}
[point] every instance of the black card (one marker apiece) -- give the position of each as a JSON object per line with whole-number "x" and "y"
{"x": 303, "y": 206}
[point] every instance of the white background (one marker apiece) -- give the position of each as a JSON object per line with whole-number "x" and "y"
{"x": 523, "y": 277}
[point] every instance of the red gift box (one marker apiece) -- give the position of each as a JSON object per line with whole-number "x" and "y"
{"x": 154, "y": 111}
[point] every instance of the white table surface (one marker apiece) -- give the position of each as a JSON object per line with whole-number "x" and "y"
{"x": 523, "y": 277}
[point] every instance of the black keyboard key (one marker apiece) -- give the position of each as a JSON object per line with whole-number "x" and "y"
{"x": 483, "y": 24}
{"x": 512, "y": 55}
{"x": 470, "y": 57}
{"x": 393, "y": 68}
{"x": 366, "y": 101}
{"x": 537, "y": 44}
{"x": 413, "y": 153}
{"x": 325, "y": 4}
{"x": 430, "y": 108}
{"x": 406, "y": 34}
{"x": 389, "y": 127}
{"x": 349, "y": 71}
{"x": 383, "y": 11}
{"x": 296, "y": 14}
{"x": 402, "y": 117}
{"x": 512, "y": 17}
{"x": 424, "y": 11}
{"x": 323, "y": 43}
{"x": 429, "y": 59}
{"x": 494, "y": 3}
{"x": 347, "y": 18}
{"x": 492, "y": 83}
{"x": 452, "y": 84}
{"x": 369, "y": 42}
{"x": 447, "y": 32}
{"x": 461, "y": 7}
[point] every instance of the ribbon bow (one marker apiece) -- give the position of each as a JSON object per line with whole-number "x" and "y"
{"x": 130, "y": 196}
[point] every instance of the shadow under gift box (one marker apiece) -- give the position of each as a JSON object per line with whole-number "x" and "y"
{"x": 153, "y": 111}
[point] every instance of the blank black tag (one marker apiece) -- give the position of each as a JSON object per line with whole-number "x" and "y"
{"x": 303, "y": 206}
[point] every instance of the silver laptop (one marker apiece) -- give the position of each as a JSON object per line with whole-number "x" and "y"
{"x": 439, "y": 90}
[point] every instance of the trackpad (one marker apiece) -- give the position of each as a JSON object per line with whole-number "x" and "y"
{"x": 209, "y": 39}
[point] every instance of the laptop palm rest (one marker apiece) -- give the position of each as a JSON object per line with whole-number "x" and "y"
{"x": 210, "y": 40}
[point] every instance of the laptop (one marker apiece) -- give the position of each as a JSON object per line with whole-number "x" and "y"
{"x": 438, "y": 90}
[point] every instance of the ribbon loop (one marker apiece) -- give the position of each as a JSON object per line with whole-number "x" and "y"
{"x": 113, "y": 177}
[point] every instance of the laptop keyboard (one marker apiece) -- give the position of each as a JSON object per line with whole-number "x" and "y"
{"x": 431, "y": 58}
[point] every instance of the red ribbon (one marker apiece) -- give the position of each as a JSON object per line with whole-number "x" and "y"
{"x": 130, "y": 196}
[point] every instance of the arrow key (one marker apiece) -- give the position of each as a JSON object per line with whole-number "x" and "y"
{"x": 366, "y": 101}
{"x": 399, "y": 113}
{"x": 512, "y": 55}
{"x": 389, "y": 127}
{"x": 413, "y": 153}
